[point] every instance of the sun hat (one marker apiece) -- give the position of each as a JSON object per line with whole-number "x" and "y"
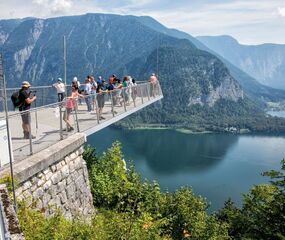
{"x": 26, "y": 84}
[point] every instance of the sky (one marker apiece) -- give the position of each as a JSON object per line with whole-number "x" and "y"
{"x": 249, "y": 21}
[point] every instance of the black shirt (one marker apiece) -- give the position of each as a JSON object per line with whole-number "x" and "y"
{"x": 24, "y": 94}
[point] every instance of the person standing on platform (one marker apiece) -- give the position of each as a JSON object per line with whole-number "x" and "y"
{"x": 26, "y": 99}
{"x": 87, "y": 93}
{"x": 60, "y": 88}
{"x": 153, "y": 85}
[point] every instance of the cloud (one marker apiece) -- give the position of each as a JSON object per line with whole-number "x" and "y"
{"x": 52, "y": 7}
{"x": 281, "y": 11}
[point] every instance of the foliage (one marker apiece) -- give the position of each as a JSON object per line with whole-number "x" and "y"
{"x": 121, "y": 190}
{"x": 262, "y": 215}
{"x": 129, "y": 208}
{"x": 7, "y": 180}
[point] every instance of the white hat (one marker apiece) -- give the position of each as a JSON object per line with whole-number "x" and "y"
{"x": 26, "y": 84}
{"x": 75, "y": 79}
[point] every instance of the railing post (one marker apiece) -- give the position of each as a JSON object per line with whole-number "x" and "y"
{"x": 43, "y": 91}
{"x": 30, "y": 132}
{"x": 96, "y": 104}
{"x": 112, "y": 104}
{"x": 60, "y": 122}
{"x": 124, "y": 100}
{"x": 133, "y": 95}
{"x": 141, "y": 93}
{"x": 147, "y": 89}
{"x": 76, "y": 116}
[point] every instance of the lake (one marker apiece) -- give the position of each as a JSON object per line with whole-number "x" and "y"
{"x": 217, "y": 166}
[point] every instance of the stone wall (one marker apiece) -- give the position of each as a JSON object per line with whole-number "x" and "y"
{"x": 63, "y": 185}
{"x": 9, "y": 225}
{"x": 57, "y": 178}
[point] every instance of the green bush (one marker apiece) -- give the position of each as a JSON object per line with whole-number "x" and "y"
{"x": 127, "y": 208}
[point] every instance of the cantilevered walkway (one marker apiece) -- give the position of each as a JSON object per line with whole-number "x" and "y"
{"x": 47, "y": 122}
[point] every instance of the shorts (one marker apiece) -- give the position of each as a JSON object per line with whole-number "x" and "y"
{"x": 26, "y": 117}
{"x": 68, "y": 110}
{"x": 101, "y": 101}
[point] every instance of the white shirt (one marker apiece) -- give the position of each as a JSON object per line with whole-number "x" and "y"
{"x": 59, "y": 87}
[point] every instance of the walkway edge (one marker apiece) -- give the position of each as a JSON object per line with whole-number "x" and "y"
{"x": 25, "y": 169}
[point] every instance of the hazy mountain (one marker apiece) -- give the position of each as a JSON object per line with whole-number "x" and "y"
{"x": 265, "y": 62}
{"x": 251, "y": 86}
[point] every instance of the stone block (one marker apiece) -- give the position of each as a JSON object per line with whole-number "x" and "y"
{"x": 58, "y": 166}
{"x": 41, "y": 182}
{"x": 46, "y": 171}
{"x": 26, "y": 185}
{"x": 71, "y": 166}
{"x": 61, "y": 186}
{"x": 49, "y": 175}
{"x": 78, "y": 163}
{"x": 38, "y": 193}
{"x": 46, "y": 199}
{"x": 73, "y": 155}
{"x": 70, "y": 191}
{"x": 47, "y": 185}
{"x": 69, "y": 180}
{"x": 53, "y": 168}
{"x": 56, "y": 177}
{"x": 65, "y": 171}
{"x": 63, "y": 197}
{"x": 39, "y": 204}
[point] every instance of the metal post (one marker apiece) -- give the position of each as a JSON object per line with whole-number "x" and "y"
{"x": 64, "y": 61}
{"x": 36, "y": 116}
{"x": 76, "y": 116}
{"x": 147, "y": 89}
{"x": 3, "y": 81}
{"x": 43, "y": 91}
{"x": 141, "y": 92}
{"x": 96, "y": 104}
{"x": 133, "y": 94}
{"x": 30, "y": 134}
{"x": 123, "y": 93}
{"x": 60, "y": 121}
{"x": 112, "y": 104}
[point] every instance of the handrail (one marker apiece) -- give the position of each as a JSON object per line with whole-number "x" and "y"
{"x": 64, "y": 101}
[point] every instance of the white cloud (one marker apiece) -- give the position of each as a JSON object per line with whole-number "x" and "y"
{"x": 250, "y": 21}
{"x": 53, "y": 7}
{"x": 281, "y": 11}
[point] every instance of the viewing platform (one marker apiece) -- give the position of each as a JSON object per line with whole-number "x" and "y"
{"x": 47, "y": 122}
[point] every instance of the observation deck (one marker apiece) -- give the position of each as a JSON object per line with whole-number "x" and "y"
{"x": 47, "y": 122}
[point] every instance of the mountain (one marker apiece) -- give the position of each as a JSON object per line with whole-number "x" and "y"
{"x": 265, "y": 62}
{"x": 255, "y": 90}
{"x": 198, "y": 88}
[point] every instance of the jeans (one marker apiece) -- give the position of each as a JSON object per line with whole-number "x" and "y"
{"x": 88, "y": 100}
{"x": 60, "y": 97}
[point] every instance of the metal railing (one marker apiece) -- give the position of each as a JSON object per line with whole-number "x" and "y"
{"x": 47, "y": 122}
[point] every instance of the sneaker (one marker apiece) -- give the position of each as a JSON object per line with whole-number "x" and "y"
{"x": 70, "y": 129}
{"x": 27, "y": 136}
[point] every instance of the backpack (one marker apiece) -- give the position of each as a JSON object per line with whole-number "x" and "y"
{"x": 15, "y": 99}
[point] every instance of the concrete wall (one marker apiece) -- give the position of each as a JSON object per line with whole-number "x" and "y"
{"x": 57, "y": 177}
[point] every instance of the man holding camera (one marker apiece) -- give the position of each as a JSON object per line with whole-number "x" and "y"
{"x": 26, "y": 99}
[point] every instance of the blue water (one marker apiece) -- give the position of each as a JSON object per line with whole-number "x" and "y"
{"x": 217, "y": 166}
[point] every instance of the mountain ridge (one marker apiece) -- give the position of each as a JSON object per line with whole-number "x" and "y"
{"x": 264, "y": 62}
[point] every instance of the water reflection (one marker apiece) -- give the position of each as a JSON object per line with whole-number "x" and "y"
{"x": 168, "y": 151}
